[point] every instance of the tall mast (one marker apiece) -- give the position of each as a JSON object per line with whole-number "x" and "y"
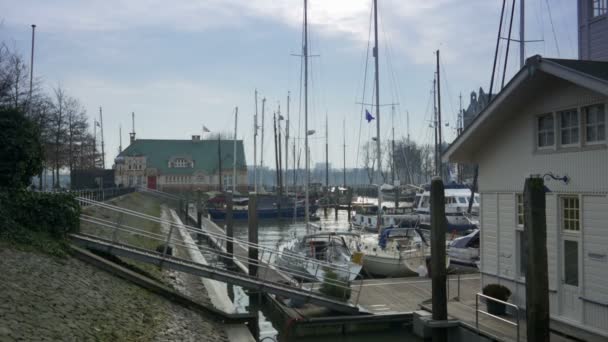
{"x": 435, "y": 123}
{"x": 119, "y": 138}
{"x": 378, "y": 150}
{"x": 305, "y": 53}
{"x": 255, "y": 142}
{"x": 344, "y": 152}
{"x": 439, "y": 148}
{"x": 236, "y": 115}
{"x": 103, "y": 153}
{"x": 262, "y": 172}
{"x": 287, "y": 144}
{"x": 522, "y": 42}
{"x": 326, "y": 152}
{"x": 219, "y": 161}
{"x": 393, "y": 145}
{"x": 280, "y": 143}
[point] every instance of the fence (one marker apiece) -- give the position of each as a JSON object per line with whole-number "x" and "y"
{"x": 478, "y": 311}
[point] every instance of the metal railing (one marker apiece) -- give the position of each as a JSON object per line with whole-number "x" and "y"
{"x": 478, "y": 311}
{"x": 296, "y": 267}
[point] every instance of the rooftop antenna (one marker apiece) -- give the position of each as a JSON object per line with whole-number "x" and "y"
{"x": 132, "y": 134}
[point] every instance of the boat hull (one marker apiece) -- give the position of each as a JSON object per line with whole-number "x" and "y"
{"x": 390, "y": 267}
{"x": 240, "y": 214}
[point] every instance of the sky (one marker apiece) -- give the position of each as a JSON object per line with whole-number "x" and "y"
{"x": 182, "y": 64}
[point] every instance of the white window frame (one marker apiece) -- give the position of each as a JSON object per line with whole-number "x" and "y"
{"x": 538, "y": 132}
{"x": 601, "y": 6}
{"x": 586, "y": 124}
{"x": 560, "y": 129}
{"x": 562, "y": 208}
{"x": 519, "y": 235}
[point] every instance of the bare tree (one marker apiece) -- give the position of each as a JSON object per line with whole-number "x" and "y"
{"x": 369, "y": 161}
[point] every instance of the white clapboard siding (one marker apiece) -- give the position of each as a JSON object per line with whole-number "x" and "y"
{"x": 595, "y": 250}
{"x": 506, "y": 160}
{"x": 506, "y": 235}
{"x": 551, "y": 209}
{"x": 489, "y": 231}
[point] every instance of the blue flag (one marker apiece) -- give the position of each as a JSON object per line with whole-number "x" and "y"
{"x": 368, "y": 116}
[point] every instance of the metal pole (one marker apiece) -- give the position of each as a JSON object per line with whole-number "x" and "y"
{"x": 236, "y": 115}
{"x": 378, "y": 149}
{"x": 305, "y": 53}
{"x": 103, "y": 153}
{"x": 522, "y": 42}
{"x": 255, "y": 142}
{"x": 327, "y": 168}
{"x": 262, "y": 146}
{"x": 229, "y": 226}
{"x": 287, "y": 146}
{"x": 344, "y": 153}
{"x": 32, "y": 68}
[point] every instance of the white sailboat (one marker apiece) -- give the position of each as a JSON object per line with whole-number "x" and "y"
{"x": 328, "y": 247}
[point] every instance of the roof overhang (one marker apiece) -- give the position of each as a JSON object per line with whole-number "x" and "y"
{"x": 536, "y": 73}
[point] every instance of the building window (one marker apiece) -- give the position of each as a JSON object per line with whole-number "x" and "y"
{"x": 568, "y": 120}
{"x": 520, "y": 210}
{"x": 181, "y": 163}
{"x": 600, "y": 7}
{"x": 595, "y": 123}
{"x": 546, "y": 134}
{"x": 570, "y": 214}
{"x": 571, "y": 262}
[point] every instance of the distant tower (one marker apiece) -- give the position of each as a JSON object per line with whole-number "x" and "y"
{"x": 132, "y": 134}
{"x": 592, "y": 31}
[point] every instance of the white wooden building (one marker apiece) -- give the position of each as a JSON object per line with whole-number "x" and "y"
{"x": 550, "y": 119}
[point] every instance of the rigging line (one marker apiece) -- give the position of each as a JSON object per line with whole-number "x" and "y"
{"x": 504, "y": 72}
{"x": 369, "y": 36}
{"x": 447, "y": 88}
{"x": 552, "y": 27}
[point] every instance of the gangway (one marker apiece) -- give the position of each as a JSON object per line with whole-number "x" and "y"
{"x": 116, "y": 238}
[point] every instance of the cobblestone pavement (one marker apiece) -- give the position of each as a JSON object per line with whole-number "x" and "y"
{"x": 49, "y": 299}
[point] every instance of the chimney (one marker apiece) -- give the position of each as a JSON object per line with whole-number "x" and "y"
{"x": 196, "y": 138}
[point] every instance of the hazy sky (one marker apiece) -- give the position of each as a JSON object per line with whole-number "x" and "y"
{"x": 182, "y": 64}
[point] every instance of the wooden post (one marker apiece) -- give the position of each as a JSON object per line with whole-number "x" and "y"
{"x": 253, "y": 234}
{"x": 537, "y": 279}
{"x": 199, "y": 210}
{"x": 438, "y": 271}
{"x": 229, "y": 227}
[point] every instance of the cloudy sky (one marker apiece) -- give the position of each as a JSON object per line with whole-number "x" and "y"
{"x": 185, "y": 63}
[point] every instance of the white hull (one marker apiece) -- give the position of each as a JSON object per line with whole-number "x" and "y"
{"x": 392, "y": 267}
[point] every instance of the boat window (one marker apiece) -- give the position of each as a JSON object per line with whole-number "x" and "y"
{"x": 462, "y": 200}
{"x": 425, "y": 202}
{"x": 476, "y": 199}
{"x": 450, "y": 200}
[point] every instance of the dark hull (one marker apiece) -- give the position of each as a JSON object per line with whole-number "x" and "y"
{"x": 220, "y": 214}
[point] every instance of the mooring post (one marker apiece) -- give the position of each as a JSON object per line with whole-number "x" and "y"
{"x": 438, "y": 269}
{"x": 537, "y": 279}
{"x": 253, "y": 234}
{"x": 229, "y": 227}
{"x": 199, "y": 210}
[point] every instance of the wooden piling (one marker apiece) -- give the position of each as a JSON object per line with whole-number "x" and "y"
{"x": 253, "y": 234}
{"x": 199, "y": 210}
{"x": 438, "y": 267}
{"x": 537, "y": 279}
{"x": 229, "y": 226}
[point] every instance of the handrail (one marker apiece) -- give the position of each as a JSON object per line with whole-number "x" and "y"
{"x": 266, "y": 260}
{"x": 221, "y": 237}
{"x": 478, "y": 311}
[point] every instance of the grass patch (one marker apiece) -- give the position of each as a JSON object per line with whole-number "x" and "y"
{"x": 134, "y": 201}
{"x": 33, "y": 241}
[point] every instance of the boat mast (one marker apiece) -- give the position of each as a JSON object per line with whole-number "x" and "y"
{"x": 255, "y": 141}
{"x": 287, "y": 146}
{"x": 439, "y": 148}
{"x": 262, "y": 171}
{"x": 522, "y": 42}
{"x": 103, "y": 153}
{"x": 326, "y": 152}
{"x": 305, "y": 53}
{"x": 378, "y": 150}
{"x": 236, "y": 115}
{"x": 393, "y": 146}
{"x": 344, "y": 152}
{"x": 435, "y": 123}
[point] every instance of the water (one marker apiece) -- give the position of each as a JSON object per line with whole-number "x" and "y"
{"x": 273, "y": 234}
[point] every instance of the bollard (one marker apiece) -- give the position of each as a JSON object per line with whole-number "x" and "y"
{"x": 438, "y": 275}
{"x": 229, "y": 227}
{"x": 537, "y": 279}
{"x": 253, "y": 234}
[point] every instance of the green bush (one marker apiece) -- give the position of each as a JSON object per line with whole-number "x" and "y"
{"x": 21, "y": 151}
{"x": 333, "y": 286}
{"x": 34, "y": 218}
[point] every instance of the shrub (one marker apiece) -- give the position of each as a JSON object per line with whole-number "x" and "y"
{"x": 333, "y": 286}
{"x": 26, "y": 216}
{"x": 21, "y": 151}
{"x": 497, "y": 291}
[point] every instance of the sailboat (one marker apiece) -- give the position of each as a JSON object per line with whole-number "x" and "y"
{"x": 392, "y": 251}
{"x": 328, "y": 247}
